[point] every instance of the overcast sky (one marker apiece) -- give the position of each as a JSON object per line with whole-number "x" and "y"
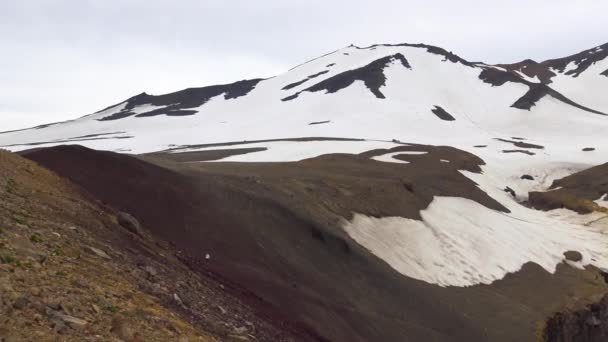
{"x": 61, "y": 59}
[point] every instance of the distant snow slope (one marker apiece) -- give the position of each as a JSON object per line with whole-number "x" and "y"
{"x": 384, "y": 95}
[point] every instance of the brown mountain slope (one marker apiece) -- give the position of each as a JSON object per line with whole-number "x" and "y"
{"x": 273, "y": 232}
{"x": 70, "y": 272}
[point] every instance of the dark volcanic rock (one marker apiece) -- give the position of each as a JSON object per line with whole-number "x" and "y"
{"x": 528, "y": 177}
{"x": 605, "y": 73}
{"x": 179, "y": 102}
{"x": 497, "y": 77}
{"x": 519, "y": 151}
{"x": 532, "y": 69}
{"x": 573, "y": 256}
{"x": 586, "y": 325}
{"x": 442, "y": 114}
{"x": 521, "y": 144}
{"x": 448, "y": 55}
{"x": 319, "y": 122}
{"x": 588, "y": 149}
{"x": 536, "y": 91}
{"x": 295, "y": 84}
{"x": 582, "y": 60}
{"x": 372, "y": 75}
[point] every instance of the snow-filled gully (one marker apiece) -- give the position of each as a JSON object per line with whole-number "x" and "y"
{"x": 460, "y": 242}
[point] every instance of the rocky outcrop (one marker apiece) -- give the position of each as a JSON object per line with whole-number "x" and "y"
{"x": 576, "y": 192}
{"x": 586, "y": 325}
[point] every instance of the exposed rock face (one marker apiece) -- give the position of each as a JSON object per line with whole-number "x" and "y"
{"x": 442, "y": 114}
{"x": 544, "y": 70}
{"x": 372, "y": 75}
{"x": 587, "y": 325}
{"x": 576, "y": 192}
{"x": 180, "y": 102}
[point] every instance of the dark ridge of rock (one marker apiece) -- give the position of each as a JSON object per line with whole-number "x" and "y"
{"x": 497, "y": 77}
{"x": 448, "y": 55}
{"x": 589, "y": 324}
{"x": 605, "y": 73}
{"x": 295, "y": 84}
{"x": 573, "y": 256}
{"x": 521, "y": 144}
{"x": 372, "y": 75}
{"x": 442, "y": 114}
{"x": 290, "y": 97}
{"x": 532, "y": 69}
{"x": 480, "y": 146}
{"x": 319, "y": 122}
{"x": 583, "y": 60}
{"x": 206, "y": 155}
{"x": 330, "y": 65}
{"x": 531, "y": 97}
{"x": 527, "y": 177}
{"x": 177, "y": 103}
{"x": 274, "y": 235}
{"x": 167, "y": 112}
{"x": 536, "y": 91}
{"x": 519, "y": 151}
{"x": 517, "y": 138}
{"x": 117, "y": 116}
{"x": 318, "y": 74}
{"x": 576, "y": 192}
{"x": 588, "y": 149}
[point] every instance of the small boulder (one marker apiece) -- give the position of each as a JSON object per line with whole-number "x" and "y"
{"x": 98, "y": 252}
{"x": 527, "y": 177}
{"x": 130, "y": 223}
{"x": 70, "y": 321}
{"x": 573, "y": 256}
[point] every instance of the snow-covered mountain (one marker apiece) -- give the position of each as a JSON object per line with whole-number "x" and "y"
{"x": 440, "y": 156}
{"x": 525, "y": 118}
{"x": 381, "y": 92}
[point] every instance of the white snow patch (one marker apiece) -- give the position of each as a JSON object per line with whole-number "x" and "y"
{"x": 460, "y": 242}
{"x": 534, "y": 79}
{"x": 388, "y": 158}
